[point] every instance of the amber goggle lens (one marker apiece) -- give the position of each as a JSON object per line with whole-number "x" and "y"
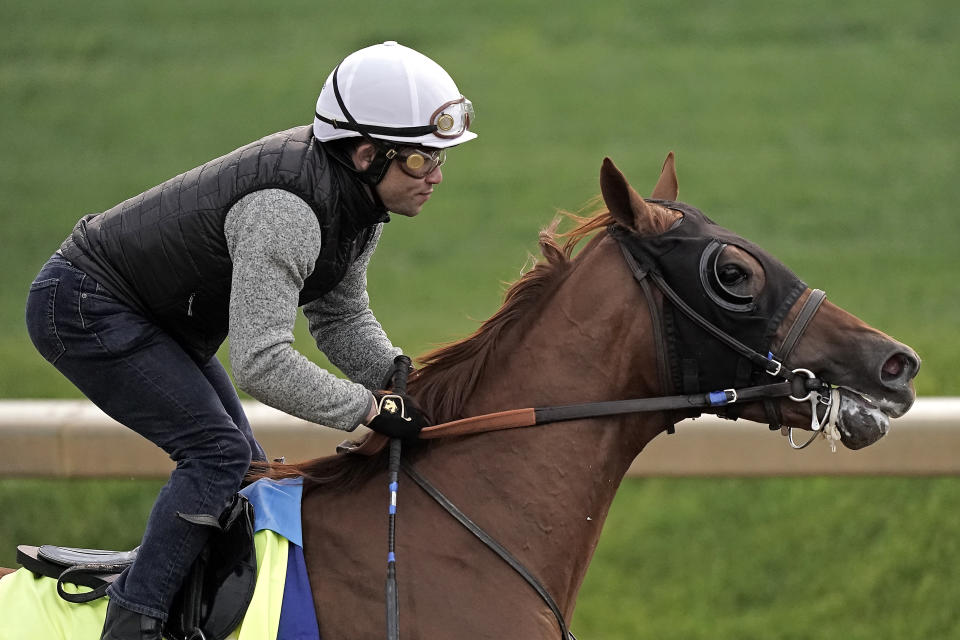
{"x": 418, "y": 163}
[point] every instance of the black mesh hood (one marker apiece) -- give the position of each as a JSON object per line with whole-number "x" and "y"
{"x": 698, "y": 361}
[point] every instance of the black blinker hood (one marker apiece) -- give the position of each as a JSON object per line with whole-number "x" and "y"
{"x": 698, "y": 362}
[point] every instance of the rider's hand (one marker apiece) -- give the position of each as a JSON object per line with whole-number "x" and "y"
{"x": 397, "y": 415}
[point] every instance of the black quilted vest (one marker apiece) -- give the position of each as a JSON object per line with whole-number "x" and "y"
{"x": 164, "y": 253}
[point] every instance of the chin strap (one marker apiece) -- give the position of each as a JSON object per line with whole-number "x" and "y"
{"x": 374, "y": 174}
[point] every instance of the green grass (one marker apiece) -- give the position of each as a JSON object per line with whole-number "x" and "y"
{"x": 826, "y": 132}
{"x": 851, "y": 558}
{"x": 97, "y": 514}
{"x": 711, "y": 558}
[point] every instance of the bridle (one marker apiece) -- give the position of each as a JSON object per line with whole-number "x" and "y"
{"x": 798, "y": 385}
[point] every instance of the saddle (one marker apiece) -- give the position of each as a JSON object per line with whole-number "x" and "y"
{"x": 215, "y": 595}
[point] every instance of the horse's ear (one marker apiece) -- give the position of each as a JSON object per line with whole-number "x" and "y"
{"x": 626, "y": 205}
{"x": 667, "y": 187}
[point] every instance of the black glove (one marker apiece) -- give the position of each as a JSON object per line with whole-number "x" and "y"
{"x": 398, "y": 416}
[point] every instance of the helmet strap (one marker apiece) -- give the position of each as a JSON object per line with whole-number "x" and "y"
{"x": 375, "y": 173}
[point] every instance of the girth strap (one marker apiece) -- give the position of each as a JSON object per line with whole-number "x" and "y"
{"x": 492, "y": 544}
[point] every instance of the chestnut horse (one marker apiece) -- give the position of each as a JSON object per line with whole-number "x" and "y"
{"x": 572, "y": 329}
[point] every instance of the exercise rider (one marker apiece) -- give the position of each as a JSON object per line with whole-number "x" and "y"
{"x": 134, "y": 305}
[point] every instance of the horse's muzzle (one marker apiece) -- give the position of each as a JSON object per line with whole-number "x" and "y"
{"x": 861, "y": 423}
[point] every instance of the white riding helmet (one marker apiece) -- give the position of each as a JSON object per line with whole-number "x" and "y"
{"x": 391, "y": 92}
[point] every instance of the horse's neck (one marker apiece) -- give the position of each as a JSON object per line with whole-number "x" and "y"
{"x": 592, "y": 340}
{"x": 553, "y": 485}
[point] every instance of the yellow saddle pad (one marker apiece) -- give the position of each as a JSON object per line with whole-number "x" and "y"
{"x": 30, "y": 607}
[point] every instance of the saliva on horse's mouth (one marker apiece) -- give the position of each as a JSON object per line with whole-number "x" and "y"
{"x": 872, "y": 422}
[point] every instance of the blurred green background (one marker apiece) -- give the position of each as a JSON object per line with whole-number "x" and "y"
{"x": 826, "y": 132}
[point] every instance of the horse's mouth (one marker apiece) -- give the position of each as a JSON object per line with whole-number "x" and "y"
{"x": 862, "y": 421}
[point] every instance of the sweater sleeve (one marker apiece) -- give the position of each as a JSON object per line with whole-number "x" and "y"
{"x": 274, "y": 240}
{"x": 345, "y": 328}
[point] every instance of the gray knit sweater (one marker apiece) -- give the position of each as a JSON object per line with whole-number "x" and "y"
{"x": 274, "y": 240}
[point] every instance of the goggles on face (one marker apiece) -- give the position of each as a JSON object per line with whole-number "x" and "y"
{"x": 418, "y": 163}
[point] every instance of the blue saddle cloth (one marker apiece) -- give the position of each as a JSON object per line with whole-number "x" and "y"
{"x": 276, "y": 506}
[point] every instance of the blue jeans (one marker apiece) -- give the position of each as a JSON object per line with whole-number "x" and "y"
{"x": 138, "y": 375}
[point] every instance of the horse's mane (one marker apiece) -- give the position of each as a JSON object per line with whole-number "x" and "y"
{"x": 449, "y": 375}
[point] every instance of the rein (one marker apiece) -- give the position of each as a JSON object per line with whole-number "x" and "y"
{"x": 491, "y": 544}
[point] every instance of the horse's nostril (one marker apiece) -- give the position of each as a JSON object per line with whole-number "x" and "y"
{"x": 899, "y": 367}
{"x": 893, "y": 367}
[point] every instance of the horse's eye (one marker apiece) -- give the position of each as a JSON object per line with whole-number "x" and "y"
{"x": 731, "y": 275}
{"x": 725, "y": 279}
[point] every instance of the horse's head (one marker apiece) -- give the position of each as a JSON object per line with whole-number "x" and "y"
{"x": 715, "y": 282}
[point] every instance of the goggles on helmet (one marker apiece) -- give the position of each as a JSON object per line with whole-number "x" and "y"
{"x": 453, "y": 118}
{"x": 450, "y": 120}
{"x": 417, "y": 163}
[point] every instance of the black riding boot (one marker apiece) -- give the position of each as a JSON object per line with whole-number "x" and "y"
{"x": 123, "y": 624}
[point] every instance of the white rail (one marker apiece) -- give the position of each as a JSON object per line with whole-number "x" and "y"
{"x": 72, "y": 438}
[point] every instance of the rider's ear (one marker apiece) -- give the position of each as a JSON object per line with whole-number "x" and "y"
{"x": 363, "y": 156}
